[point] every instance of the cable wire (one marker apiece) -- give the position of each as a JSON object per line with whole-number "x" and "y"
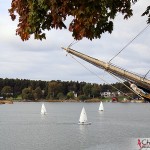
{"x": 146, "y": 74}
{"x": 98, "y": 76}
{"x": 129, "y": 43}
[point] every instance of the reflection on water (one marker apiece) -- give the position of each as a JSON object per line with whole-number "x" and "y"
{"x": 101, "y": 112}
{"x": 82, "y": 128}
{"x": 43, "y": 117}
{"x": 22, "y": 127}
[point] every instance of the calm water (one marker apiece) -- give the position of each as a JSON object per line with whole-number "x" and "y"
{"x": 23, "y": 128}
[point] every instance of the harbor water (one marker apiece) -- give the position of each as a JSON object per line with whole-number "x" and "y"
{"x": 22, "y": 127}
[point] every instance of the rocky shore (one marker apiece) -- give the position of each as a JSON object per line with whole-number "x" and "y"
{"x": 6, "y": 102}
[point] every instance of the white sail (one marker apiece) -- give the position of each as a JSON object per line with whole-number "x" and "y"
{"x": 83, "y": 117}
{"x": 101, "y": 107}
{"x": 43, "y": 109}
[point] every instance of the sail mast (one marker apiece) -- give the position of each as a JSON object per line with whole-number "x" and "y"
{"x": 136, "y": 79}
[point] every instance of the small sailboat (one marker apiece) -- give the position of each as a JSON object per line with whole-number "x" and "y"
{"x": 43, "y": 110}
{"x": 83, "y": 118}
{"x": 101, "y": 107}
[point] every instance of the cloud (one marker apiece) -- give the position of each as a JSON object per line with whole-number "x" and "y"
{"x": 45, "y": 60}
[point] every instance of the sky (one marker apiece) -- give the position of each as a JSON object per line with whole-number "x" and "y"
{"x": 45, "y": 60}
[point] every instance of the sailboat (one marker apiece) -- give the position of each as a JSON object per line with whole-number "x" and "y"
{"x": 101, "y": 107}
{"x": 43, "y": 110}
{"x": 83, "y": 118}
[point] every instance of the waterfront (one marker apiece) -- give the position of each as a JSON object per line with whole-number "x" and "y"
{"x": 23, "y": 128}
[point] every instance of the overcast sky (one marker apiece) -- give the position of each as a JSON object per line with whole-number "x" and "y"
{"x": 45, "y": 60}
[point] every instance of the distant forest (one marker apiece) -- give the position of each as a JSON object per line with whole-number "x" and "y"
{"x": 24, "y": 89}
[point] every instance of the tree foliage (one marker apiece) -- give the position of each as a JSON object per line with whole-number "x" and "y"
{"x": 147, "y": 12}
{"x": 37, "y": 93}
{"x": 54, "y": 88}
{"x": 36, "y": 90}
{"x": 27, "y": 94}
{"x": 87, "y": 89}
{"x": 6, "y": 91}
{"x": 90, "y": 18}
{"x": 70, "y": 95}
{"x": 95, "y": 91}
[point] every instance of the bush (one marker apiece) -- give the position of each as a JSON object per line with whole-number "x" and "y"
{"x": 60, "y": 96}
{"x": 82, "y": 97}
{"x": 70, "y": 95}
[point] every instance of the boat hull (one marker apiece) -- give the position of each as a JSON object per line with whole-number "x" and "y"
{"x": 84, "y": 123}
{"x": 43, "y": 113}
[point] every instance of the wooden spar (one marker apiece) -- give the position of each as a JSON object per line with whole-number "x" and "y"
{"x": 136, "y": 79}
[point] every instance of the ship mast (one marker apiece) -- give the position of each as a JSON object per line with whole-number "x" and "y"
{"x": 141, "y": 82}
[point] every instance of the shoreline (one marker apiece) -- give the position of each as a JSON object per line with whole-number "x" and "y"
{"x": 70, "y": 101}
{"x": 6, "y": 102}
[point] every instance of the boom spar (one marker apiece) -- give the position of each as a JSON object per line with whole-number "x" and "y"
{"x": 141, "y": 82}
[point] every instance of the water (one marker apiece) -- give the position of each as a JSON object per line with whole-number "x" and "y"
{"x": 23, "y": 128}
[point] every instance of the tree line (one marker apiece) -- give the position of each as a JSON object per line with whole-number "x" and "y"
{"x": 52, "y": 90}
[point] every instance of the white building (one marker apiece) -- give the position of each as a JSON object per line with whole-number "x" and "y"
{"x": 106, "y": 94}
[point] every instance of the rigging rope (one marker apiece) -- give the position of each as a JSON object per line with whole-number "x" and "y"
{"x": 129, "y": 43}
{"x": 146, "y": 74}
{"x": 125, "y": 84}
{"x": 99, "y": 76}
{"x": 72, "y": 43}
{"x": 110, "y": 61}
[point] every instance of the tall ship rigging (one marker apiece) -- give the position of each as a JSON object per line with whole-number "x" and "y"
{"x": 140, "y": 85}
